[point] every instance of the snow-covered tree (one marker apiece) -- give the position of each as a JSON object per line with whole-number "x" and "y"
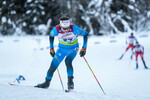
{"x": 98, "y": 17}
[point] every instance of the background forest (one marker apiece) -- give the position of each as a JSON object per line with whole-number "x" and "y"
{"x": 98, "y": 17}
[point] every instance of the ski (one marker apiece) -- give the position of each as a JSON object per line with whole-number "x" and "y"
{"x": 13, "y": 84}
{"x": 67, "y": 91}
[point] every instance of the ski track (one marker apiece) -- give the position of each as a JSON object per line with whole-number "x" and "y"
{"x": 29, "y": 56}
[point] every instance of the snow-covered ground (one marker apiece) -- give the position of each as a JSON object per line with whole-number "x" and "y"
{"x": 29, "y": 56}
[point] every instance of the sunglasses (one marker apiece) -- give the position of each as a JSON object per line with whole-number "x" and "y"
{"x": 65, "y": 28}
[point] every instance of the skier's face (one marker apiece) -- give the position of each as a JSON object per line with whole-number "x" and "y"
{"x": 137, "y": 46}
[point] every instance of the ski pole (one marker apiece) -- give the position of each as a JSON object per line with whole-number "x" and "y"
{"x": 130, "y": 62}
{"x": 131, "y": 58}
{"x": 94, "y": 75}
{"x": 60, "y": 79}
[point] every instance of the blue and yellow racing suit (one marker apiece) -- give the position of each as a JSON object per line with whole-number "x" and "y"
{"x": 67, "y": 47}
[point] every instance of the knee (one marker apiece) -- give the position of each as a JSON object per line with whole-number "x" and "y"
{"x": 142, "y": 58}
{"x": 51, "y": 70}
{"x": 68, "y": 62}
{"x": 53, "y": 67}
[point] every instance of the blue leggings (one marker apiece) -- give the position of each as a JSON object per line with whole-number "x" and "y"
{"x": 61, "y": 53}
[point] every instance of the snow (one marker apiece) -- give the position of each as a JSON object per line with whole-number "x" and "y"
{"x": 9, "y": 21}
{"x": 4, "y": 19}
{"x": 4, "y": 2}
{"x": 148, "y": 14}
{"x": 28, "y": 11}
{"x": 41, "y": 7}
{"x": 24, "y": 24}
{"x": 29, "y": 1}
{"x": 42, "y": 28}
{"x": 132, "y": 0}
{"x": 13, "y": 12}
{"x": 131, "y": 7}
{"x": 34, "y": 19}
{"x": 43, "y": 13}
{"x": 91, "y": 4}
{"x": 29, "y": 56}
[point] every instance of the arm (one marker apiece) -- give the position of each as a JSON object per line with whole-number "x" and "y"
{"x": 51, "y": 37}
{"x": 132, "y": 53}
{"x": 52, "y": 52}
{"x": 85, "y": 39}
{"x": 136, "y": 39}
{"x": 142, "y": 50}
{"x": 78, "y": 31}
{"x": 127, "y": 40}
{"x": 83, "y": 50}
{"x": 51, "y": 40}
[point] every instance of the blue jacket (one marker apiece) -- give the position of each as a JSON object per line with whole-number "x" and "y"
{"x": 68, "y": 40}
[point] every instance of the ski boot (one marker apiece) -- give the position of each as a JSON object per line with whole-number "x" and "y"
{"x": 145, "y": 64}
{"x": 44, "y": 85}
{"x": 131, "y": 57}
{"x": 121, "y": 57}
{"x": 137, "y": 66}
{"x": 146, "y": 67}
{"x": 70, "y": 83}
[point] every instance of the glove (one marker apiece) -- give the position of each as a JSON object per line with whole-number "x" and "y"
{"x": 52, "y": 52}
{"x": 82, "y": 52}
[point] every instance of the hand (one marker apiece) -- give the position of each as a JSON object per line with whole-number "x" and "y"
{"x": 82, "y": 52}
{"x": 52, "y": 52}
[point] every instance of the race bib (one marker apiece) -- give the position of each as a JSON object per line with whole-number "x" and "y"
{"x": 67, "y": 37}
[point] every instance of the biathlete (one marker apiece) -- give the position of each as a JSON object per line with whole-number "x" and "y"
{"x": 131, "y": 41}
{"x": 68, "y": 47}
{"x": 138, "y": 49}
